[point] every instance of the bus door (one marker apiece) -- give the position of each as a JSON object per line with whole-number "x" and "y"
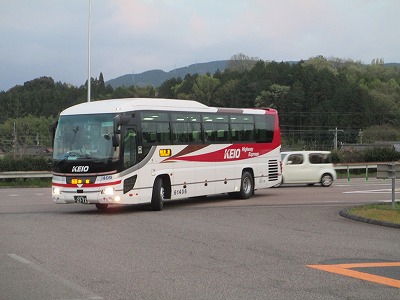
{"x": 130, "y": 148}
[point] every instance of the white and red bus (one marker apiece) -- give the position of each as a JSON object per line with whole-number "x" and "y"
{"x": 131, "y": 151}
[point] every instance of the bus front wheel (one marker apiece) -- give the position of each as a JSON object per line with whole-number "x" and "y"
{"x": 157, "y": 198}
{"x": 101, "y": 206}
{"x": 246, "y": 186}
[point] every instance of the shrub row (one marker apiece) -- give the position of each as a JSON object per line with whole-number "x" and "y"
{"x": 375, "y": 154}
{"x": 26, "y": 163}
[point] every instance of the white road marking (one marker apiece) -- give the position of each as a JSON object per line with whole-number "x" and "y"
{"x": 381, "y": 191}
{"x": 80, "y": 289}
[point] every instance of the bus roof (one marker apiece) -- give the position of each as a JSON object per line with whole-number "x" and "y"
{"x": 134, "y": 104}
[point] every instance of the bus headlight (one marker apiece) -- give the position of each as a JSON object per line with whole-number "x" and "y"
{"x": 56, "y": 191}
{"x": 108, "y": 191}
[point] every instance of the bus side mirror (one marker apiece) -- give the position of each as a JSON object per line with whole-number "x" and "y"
{"x": 118, "y": 121}
{"x": 115, "y": 141}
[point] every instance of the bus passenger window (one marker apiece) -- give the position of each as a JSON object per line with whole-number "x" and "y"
{"x": 180, "y": 132}
{"x": 163, "y": 136}
{"x": 196, "y": 132}
{"x": 209, "y": 132}
{"x": 222, "y": 132}
{"x": 248, "y": 132}
{"x": 265, "y": 126}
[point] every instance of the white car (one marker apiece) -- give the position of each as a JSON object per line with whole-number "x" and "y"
{"x": 308, "y": 167}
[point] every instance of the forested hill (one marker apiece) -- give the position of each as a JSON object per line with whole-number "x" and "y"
{"x": 157, "y": 77}
{"x": 313, "y": 97}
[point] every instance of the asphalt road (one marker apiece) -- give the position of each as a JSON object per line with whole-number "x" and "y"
{"x": 271, "y": 246}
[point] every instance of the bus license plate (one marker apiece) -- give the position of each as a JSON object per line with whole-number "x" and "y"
{"x": 81, "y": 199}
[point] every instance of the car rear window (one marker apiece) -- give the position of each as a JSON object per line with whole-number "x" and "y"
{"x": 320, "y": 158}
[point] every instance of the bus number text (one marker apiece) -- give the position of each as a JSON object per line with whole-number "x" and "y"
{"x": 180, "y": 192}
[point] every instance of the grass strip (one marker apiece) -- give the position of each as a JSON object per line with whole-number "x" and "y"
{"x": 25, "y": 182}
{"x": 380, "y": 212}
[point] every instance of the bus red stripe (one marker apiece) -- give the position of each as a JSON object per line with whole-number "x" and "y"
{"x": 92, "y": 185}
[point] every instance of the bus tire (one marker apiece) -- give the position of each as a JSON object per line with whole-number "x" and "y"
{"x": 246, "y": 185}
{"x": 101, "y": 206}
{"x": 157, "y": 198}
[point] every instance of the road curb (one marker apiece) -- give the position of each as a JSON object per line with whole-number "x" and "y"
{"x": 344, "y": 213}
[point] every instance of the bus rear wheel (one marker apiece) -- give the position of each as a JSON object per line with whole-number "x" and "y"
{"x": 246, "y": 186}
{"x": 158, "y": 196}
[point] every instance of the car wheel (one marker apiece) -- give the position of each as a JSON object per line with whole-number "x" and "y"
{"x": 326, "y": 180}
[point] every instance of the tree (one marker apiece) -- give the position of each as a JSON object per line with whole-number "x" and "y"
{"x": 204, "y": 89}
{"x": 384, "y": 132}
{"x": 320, "y": 63}
{"x": 183, "y": 90}
{"x": 275, "y": 97}
{"x": 225, "y": 96}
{"x": 166, "y": 88}
{"x": 241, "y": 63}
{"x": 19, "y": 133}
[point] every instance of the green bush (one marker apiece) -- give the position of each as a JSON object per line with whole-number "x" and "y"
{"x": 375, "y": 154}
{"x": 378, "y": 154}
{"x": 38, "y": 163}
{"x": 348, "y": 156}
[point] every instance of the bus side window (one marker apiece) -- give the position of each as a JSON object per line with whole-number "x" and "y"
{"x": 163, "y": 136}
{"x": 180, "y": 132}
{"x": 196, "y": 132}
{"x": 196, "y": 136}
{"x": 264, "y": 128}
{"x": 222, "y": 132}
{"x": 236, "y": 132}
{"x": 153, "y": 137}
{"x": 248, "y": 132}
{"x": 209, "y": 132}
{"x": 149, "y": 132}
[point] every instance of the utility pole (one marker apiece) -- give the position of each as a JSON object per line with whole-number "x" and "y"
{"x": 360, "y": 136}
{"x": 335, "y": 132}
{"x": 89, "y": 75}
{"x": 15, "y": 139}
{"x": 37, "y": 139}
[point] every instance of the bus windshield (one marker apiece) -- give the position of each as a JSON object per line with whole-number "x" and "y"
{"x": 85, "y": 137}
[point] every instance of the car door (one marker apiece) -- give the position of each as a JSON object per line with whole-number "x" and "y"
{"x": 293, "y": 169}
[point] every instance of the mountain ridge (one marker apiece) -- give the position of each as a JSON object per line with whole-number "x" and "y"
{"x": 157, "y": 77}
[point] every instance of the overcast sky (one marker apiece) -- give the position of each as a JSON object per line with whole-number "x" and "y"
{"x": 50, "y": 37}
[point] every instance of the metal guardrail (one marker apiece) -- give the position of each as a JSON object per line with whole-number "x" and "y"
{"x": 356, "y": 166}
{"x": 49, "y": 174}
{"x": 26, "y": 174}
